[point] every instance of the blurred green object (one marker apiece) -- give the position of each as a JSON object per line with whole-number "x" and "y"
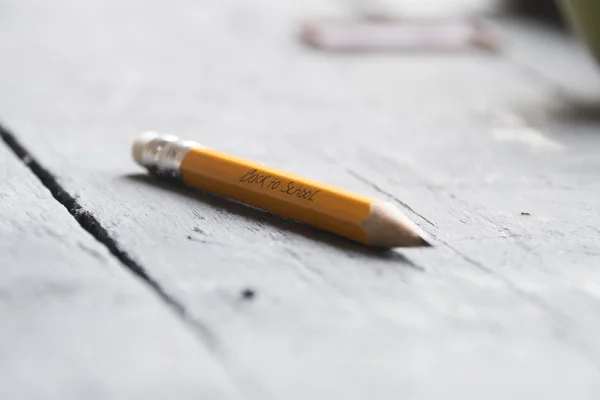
{"x": 584, "y": 16}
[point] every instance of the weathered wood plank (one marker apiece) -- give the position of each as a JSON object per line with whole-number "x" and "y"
{"x": 75, "y": 324}
{"x": 329, "y": 319}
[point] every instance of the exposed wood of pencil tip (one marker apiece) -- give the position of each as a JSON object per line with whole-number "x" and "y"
{"x": 386, "y": 226}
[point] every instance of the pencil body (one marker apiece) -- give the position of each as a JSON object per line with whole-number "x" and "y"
{"x": 288, "y": 195}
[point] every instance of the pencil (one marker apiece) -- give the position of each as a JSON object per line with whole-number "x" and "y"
{"x": 356, "y": 217}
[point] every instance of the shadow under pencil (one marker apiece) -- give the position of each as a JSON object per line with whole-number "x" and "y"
{"x": 257, "y": 215}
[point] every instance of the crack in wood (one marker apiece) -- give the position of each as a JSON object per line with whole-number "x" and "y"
{"x": 205, "y": 241}
{"x": 559, "y": 333}
{"x": 508, "y": 236}
{"x": 93, "y": 226}
{"x": 311, "y": 270}
{"x": 386, "y": 193}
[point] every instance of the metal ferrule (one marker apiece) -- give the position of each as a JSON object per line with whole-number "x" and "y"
{"x": 163, "y": 154}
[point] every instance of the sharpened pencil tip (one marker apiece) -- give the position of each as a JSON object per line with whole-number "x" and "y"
{"x": 424, "y": 243}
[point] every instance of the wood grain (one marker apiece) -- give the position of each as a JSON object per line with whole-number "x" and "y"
{"x": 75, "y": 324}
{"x": 503, "y": 305}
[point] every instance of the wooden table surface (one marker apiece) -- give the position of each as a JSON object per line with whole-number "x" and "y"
{"x": 116, "y": 286}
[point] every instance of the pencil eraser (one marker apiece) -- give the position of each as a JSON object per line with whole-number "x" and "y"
{"x": 140, "y": 144}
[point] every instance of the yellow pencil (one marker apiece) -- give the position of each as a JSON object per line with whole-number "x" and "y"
{"x": 356, "y": 217}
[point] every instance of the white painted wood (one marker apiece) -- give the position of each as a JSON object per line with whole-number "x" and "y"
{"x": 74, "y": 323}
{"x": 483, "y": 314}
